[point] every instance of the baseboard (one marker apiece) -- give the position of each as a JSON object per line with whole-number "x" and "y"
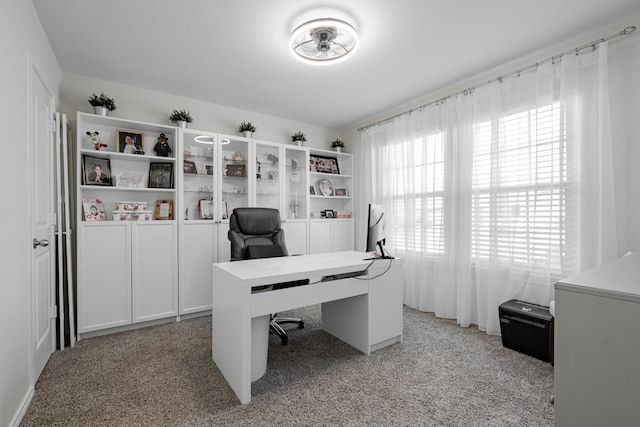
{"x": 17, "y": 418}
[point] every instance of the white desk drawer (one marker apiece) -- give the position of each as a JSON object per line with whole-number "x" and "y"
{"x": 301, "y": 296}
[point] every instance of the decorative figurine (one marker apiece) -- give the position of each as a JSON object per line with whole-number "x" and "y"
{"x": 96, "y": 140}
{"x": 162, "y": 148}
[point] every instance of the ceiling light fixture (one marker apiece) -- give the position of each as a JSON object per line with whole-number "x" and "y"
{"x": 207, "y": 139}
{"x": 204, "y": 139}
{"x": 323, "y": 41}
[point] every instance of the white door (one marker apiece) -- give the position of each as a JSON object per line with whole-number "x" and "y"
{"x": 42, "y": 214}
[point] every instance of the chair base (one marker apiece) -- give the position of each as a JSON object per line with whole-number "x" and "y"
{"x": 274, "y": 324}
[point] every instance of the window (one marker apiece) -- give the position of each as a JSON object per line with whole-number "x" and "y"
{"x": 519, "y": 187}
{"x": 418, "y": 171}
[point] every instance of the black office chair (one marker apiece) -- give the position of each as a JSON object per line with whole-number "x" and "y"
{"x": 256, "y": 233}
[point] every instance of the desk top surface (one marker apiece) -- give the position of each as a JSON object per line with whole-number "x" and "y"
{"x": 266, "y": 269}
{"x": 617, "y": 279}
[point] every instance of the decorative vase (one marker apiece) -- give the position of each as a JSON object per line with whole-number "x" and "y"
{"x": 247, "y": 133}
{"x": 299, "y": 142}
{"x": 181, "y": 124}
{"x": 338, "y": 149}
{"x": 100, "y": 111}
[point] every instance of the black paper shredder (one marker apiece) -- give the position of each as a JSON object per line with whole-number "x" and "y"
{"x": 527, "y": 328}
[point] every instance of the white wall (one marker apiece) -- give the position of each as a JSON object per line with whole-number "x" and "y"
{"x": 624, "y": 86}
{"x": 155, "y": 107}
{"x": 21, "y": 38}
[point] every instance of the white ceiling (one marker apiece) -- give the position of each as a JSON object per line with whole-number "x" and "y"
{"x": 235, "y": 52}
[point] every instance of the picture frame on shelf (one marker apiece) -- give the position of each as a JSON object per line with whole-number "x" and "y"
{"x": 323, "y": 164}
{"x": 329, "y": 214}
{"x": 129, "y": 179}
{"x": 189, "y": 167}
{"x": 340, "y": 191}
{"x": 205, "y": 207}
{"x": 312, "y": 190}
{"x": 93, "y": 210}
{"x": 130, "y": 141}
{"x": 164, "y": 209}
{"x": 160, "y": 175}
{"x": 96, "y": 170}
{"x": 209, "y": 169}
{"x": 238, "y": 171}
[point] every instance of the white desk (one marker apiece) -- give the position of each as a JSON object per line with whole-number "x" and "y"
{"x": 366, "y": 314}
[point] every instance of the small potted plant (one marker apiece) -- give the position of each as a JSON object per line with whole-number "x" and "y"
{"x": 246, "y": 129}
{"x": 181, "y": 118}
{"x": 102, "y": 104}
{"x": 337, "y": 145}
{"x": 298, "y": 138}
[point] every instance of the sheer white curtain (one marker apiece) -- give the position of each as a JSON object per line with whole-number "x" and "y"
{"x": 498, "y": 192}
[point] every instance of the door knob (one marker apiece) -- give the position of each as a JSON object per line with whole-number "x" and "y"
{"x": 44, "y": 243}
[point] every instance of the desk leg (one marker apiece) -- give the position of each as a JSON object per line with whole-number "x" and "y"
{"x": 348, "y": 320}
{"x": 231, "y": 334}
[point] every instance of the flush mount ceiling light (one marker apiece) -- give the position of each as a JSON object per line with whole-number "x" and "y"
{"x": 323, "y": 41}
{"x": 206, "y": 139}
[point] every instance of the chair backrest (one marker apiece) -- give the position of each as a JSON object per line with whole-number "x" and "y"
{"x": 256, "y": 233}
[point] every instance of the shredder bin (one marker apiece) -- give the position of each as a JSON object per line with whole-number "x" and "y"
{"x": 527, "y": 328}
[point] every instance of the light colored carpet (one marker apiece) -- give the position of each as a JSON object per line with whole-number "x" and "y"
{"x": 441, "y": 375}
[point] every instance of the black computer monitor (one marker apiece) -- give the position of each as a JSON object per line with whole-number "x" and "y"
{"x": 376, "y": 235}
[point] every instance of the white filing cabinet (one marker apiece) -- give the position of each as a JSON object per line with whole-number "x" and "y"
{"x": 597, "y": 346}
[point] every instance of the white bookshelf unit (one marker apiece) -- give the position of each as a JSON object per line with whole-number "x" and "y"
{"x": 127, "y": 270}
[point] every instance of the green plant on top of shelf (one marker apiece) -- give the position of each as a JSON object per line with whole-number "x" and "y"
{"x": 337, "y": 143}
{"x": 102, "y": 101}
{"x": 246, "y": 127}
{"x": 180, "y": 116}
{"x": 298, "y": 137}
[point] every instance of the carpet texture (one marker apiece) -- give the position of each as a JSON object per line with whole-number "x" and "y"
{"x": 441, "y": 375}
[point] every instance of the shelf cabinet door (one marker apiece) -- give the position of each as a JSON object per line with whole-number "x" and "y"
{"x": 222, "y": 244}
{"x": 199, "y": 241}
{"x": 296, "y": 188}
{"x": 197, "y": 183}
{"x": 343, "y": 235}
{"x": 295, "y": 235}
{"x": 268, "y": 175}
{"x": 237, "y": 167}
{"x": 154, "y": 270}
{"x": 320, "y": 236}
{"x": 104, "y": 276}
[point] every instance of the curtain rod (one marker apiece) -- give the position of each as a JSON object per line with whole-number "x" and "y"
{"x": 629, "y": 30}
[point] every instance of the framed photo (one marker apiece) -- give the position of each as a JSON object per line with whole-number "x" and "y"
{"x": 93, "y": 210}
{"x": 130, "y": 141}
{"x": 312, "y": 190}
{"x": 189, "y": 167}
{"x": 209, "y": 169}
{"x": 340, "y": 192}
{"x": 206, "y": 208}
{"x": 323, "y": 164}
{"x": 96, "y": 171}
{"x": 329, "y": 214}
{"x": 130, "y": 179}
{"x": 160, "y": 175}
{"x": 239, "y": 171}
{"x": 164, "y": 209}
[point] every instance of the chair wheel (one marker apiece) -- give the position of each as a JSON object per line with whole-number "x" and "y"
{"x": 300, "y": 325}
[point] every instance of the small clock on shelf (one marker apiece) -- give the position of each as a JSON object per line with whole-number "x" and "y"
{"x": 326, "y": 188}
